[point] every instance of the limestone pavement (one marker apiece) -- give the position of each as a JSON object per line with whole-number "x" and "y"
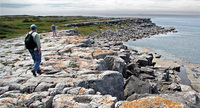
{"x": 85, "y": 72}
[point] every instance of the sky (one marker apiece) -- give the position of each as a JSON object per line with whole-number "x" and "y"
{"x": 101, "y": 7}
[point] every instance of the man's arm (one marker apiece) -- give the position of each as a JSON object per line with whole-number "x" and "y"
{"x": 37, "y": 41}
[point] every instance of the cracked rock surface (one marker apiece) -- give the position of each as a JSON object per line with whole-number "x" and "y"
{"x": 86, "y": 72}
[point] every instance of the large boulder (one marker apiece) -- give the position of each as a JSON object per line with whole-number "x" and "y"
{"x": 105, "y": 82}
{"x": 125, "y": 55}
{"x": 99, "y": 65}
{"x": 115, "y": 63}
{"x": 144, "y": 59}
{"x": 135, "y": 85}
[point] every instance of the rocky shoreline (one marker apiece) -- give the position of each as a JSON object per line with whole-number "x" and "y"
{"x": 92, "y": 72}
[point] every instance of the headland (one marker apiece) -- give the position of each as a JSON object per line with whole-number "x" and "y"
{"x": 96, "y": 71}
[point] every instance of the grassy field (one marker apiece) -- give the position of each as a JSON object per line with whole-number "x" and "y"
{"x": 14, "y": 26}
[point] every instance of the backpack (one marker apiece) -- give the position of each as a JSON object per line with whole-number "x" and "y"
{"x": 29, "y": 42}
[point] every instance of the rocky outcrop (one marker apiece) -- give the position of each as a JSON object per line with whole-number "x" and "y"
{"x": 116, "y": 21}
{"x": 135, "y": 85}
{"x": 131, "y": 29}
{"x": 86, "y": 72}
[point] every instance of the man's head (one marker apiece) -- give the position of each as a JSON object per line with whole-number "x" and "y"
{"x": 33, "y": 27}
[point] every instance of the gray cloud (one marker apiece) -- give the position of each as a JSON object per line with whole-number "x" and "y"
{"x": 60, "y": 5}
{"x": 10, "y": 5}
{"x": 100, "y": 7}
{"x": 67, "y": 5}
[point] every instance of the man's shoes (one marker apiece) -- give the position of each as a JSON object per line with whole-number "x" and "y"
{"x": 34, "y": 74}
{"x": 39, "y": 72}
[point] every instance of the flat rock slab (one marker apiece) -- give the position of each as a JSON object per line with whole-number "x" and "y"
{"x": 92, "y": 101}
{"x": 149, "y": 102}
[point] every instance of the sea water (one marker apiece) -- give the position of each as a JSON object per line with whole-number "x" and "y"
{"x": 185, "y": 44}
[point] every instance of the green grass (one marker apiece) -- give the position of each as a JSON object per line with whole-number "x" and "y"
{"x": 14, "y": 26}
{"x": 88, "y": 30}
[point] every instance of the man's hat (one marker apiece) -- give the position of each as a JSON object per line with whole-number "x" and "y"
{"x": 33, "y": 26}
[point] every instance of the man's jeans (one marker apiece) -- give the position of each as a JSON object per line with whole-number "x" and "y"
{"x": 36, "y": 58}
{"x": 54, "y": 32}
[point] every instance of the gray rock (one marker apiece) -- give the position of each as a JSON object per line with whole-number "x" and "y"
{"x": 154, "y": 88}
{"x": 14, "y": 86}
{"x": 84, "y": 101}
{"x": 174, "y": 87}
{"x": 54, "y": 91}
{"x": 65, "y": 90}
{"x": 125, "y": 56}
{"x": 158, "y": 56}
{"x": 107, "y": 82}
{"x": 115, "y": 48}
{"x": 162, "y": 75}
{"x": 166, "y": 75}
{"x": 147, "y": 70}
{"x": 134, "y": 85}
{"x": 145, "y": 59}
{"x": 29, "y": 99}
{"x": 190, "y": 99}
{"x": 115, "y": 63}
{"x": 137, "y": 96}
{"x": 6, "y": 81}
{"x": 62, "y": 85}
{"x": 131, "y": 66}
{"x": 13, "y": 94}
{"x": 29, "y": 86}
{"x": 86, "y": 43}
{"x": 99, "y": 65}
{"x": 43, "y": 86}
{"x": 106, "y": 48}
{"x": 8, "y": 102}
{"x": 36, "y": 104}
{"x": 145, "y": 77}
{"x": 169, "y": 29}
{"x": 78, "y": 91}
{"x": 70, "y": 32}
{"x": 4, "y": 89}
{"x": 73, "y": 91}
{"x": 102, "y": 56}
{"x": 47, "y": 102}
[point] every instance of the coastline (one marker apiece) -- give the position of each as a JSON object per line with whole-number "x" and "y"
{"x": 96, "y": 71}
{"x": 192, "y": 70}
{"x": 193, "y": 74}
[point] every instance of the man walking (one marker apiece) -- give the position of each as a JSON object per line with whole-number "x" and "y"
{"x": 53, "y": 28}
{"x": 32, "y": 43}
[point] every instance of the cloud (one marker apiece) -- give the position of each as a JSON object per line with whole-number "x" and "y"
{"x": 10, "y": 5}
{"x": 52, "y": 7}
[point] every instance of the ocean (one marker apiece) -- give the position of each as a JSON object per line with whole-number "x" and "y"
{"x": 183, "y": 45}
